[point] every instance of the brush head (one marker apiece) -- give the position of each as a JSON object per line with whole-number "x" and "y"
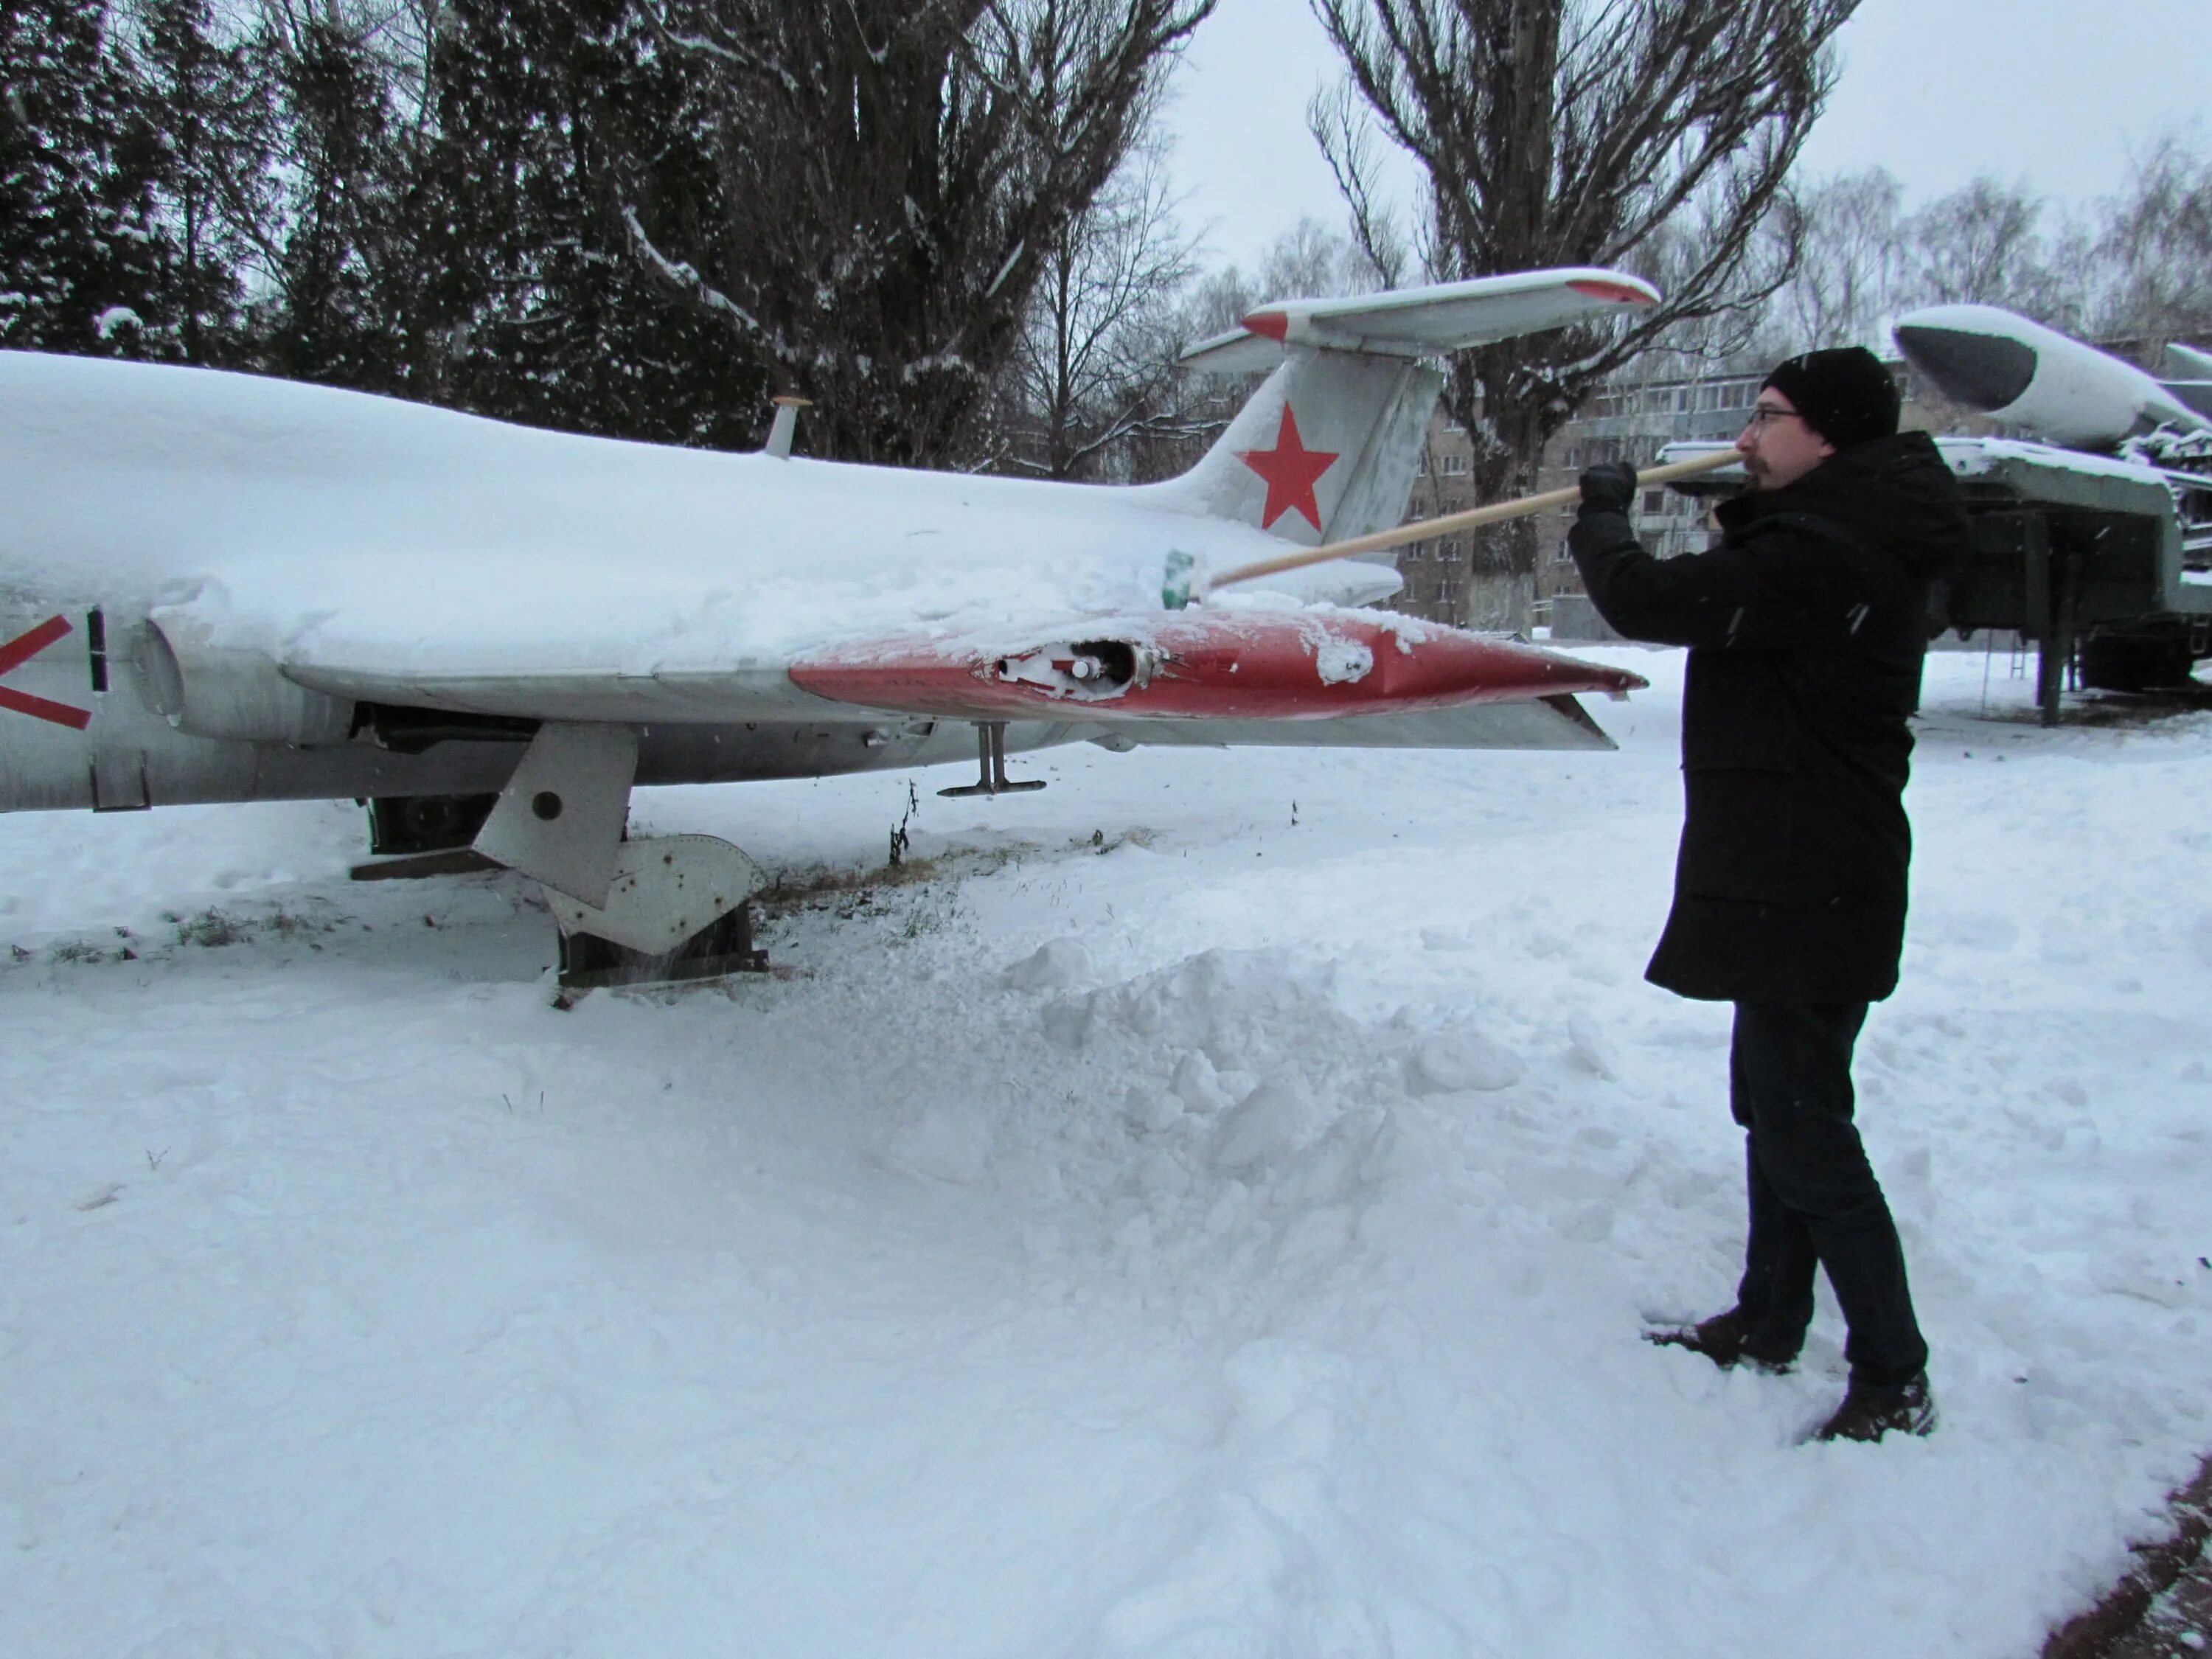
{"x": 1184, "y": 583}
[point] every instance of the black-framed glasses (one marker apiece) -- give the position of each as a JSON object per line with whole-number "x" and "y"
{"x": 1766, "y": 415}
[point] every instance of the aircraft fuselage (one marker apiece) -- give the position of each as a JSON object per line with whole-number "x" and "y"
{"x": 88, "y": 727}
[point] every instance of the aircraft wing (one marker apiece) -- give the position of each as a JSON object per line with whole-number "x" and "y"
{"x": 1293, "y": 665}
{"x": 1263, "y": 665}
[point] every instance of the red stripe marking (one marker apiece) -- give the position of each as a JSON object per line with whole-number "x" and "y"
{"x": 24, "y": 646}
{"x": 20, "y": 650}
{"x": 22, "y": 702}
{"x": 1619, "y": 292}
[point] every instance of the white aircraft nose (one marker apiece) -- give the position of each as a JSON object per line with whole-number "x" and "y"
{"x": 1984, "y": 371}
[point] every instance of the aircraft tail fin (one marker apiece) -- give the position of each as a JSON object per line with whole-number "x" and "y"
{"x": 1327, "y": 446}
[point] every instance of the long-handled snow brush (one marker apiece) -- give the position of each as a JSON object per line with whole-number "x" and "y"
{"x": 1186, "y": 580}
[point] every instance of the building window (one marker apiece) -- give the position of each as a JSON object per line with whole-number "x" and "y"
{"x": 1654, "y": 503}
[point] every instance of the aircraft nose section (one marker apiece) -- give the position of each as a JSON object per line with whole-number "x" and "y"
{"x": 1982, "y": 371}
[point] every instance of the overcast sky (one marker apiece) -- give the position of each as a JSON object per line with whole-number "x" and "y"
{"x": 2058, "y": 93}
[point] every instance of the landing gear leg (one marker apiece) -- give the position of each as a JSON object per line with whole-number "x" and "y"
{"x": 991, "y": 755}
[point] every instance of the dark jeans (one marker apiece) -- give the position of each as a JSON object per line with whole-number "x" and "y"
{"x": 1813, "y": 1198}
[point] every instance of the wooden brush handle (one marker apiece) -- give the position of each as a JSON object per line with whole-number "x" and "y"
{"x": 1496, "y": 512}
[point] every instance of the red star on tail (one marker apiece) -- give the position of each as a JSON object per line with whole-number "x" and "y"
{"x": 1291, "y": 471}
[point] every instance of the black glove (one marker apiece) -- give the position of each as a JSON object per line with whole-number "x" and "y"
{"x": 1608, "y": 486}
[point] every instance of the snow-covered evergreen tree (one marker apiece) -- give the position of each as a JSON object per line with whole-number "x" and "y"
{"x": 81, "y": 244}
{"x": 337, "y": 253}
{"x": 549, "y": 114}
{"x": 887, "y": 178}
{"x": 208, "y": 106}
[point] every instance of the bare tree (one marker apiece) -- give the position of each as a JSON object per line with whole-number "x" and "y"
{"x": 1310, "y": 261}
{"x": 1306, "y": 261}
{"x": 1985, "y": 244}
{"x": 1094, "y": 368}
{"x": 1559, "y": 132}
{"x": 2157, "y": 251}
{"x": 1853, "y": 246}
{"x": 892, "y": 176}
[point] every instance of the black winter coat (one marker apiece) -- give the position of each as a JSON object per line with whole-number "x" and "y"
{"x": 1806, "y": 626}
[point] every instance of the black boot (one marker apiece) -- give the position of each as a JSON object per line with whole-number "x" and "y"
{"x": 1871, "y": 1410}
{"x": 1726, "y": 1341}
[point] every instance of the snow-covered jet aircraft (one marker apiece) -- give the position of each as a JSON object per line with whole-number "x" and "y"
{"x": 2057, "y": 387}
{"x": 215, "y": 587}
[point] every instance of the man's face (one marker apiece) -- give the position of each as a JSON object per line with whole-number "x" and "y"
{"x": 1777, "y": 447}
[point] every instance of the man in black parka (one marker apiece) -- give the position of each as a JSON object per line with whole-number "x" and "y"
{"x": 1805, "y": 625}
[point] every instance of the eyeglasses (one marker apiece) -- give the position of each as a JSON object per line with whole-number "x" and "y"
{"x": 1766, "y": 415}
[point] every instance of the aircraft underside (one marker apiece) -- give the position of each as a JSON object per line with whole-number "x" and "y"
{"x": 87, "y": 731}
{"x": 106, "y": 713}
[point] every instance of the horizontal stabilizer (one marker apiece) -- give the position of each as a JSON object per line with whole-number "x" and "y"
{"x": 1201, "y": 664}
{"x": 1424, "y": 322}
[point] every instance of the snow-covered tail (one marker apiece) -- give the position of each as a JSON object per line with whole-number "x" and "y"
{"x": 1327, "y": 447}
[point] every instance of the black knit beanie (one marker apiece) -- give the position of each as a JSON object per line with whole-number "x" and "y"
{"x": 1845, "y": 395}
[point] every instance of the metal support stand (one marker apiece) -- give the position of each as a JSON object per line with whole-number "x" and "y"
{"x": 588, "y": 962}
{"x": 419, "y": 867}
{"x": 2054, "y": 582}
{"x": 991, "y": 755}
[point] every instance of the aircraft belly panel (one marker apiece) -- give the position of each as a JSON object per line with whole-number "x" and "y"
{"x": 1548, "y": 723}
{"x": 720, "y": 699}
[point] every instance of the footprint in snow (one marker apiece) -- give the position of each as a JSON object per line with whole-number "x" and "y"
{"x": 1457, "y": 1063}
{"x": 1591, "y": 1049}
{"x": 1057, "y": 965}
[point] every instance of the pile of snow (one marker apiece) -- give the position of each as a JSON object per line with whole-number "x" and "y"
{"x": 1227, "y": 1238}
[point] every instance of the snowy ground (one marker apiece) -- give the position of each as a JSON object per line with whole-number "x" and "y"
{"x": 1256, "y": 1271}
